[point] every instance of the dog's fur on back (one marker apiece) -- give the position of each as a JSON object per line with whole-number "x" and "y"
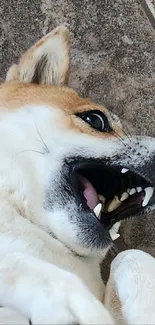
{"x": 50, "y": 248}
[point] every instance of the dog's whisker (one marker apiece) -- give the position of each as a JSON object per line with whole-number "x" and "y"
{"x": 113, "y": 249}
{"x": 127, "y": 135}
{"x": 42, "y": 140}
{"x": 27, "y": 150}
{"x": 123, "y": 141}
{"x": 120, "y": 138}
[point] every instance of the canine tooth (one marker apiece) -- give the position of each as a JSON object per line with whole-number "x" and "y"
{"x": 114, "y": 204}
{"x": 139, "y": 189}
{"x": 97, "y": 210}
{"x": 115, "y": 227}
{"x": 148, "y": 194}
{"x": 124, "y": 170}
{"x": 132, "y": 191}
{"x": 124, "y": 196}
{"x": 113, "y": 231}
{"x": 114, "y": 236}
{"x": 102, "y": 199}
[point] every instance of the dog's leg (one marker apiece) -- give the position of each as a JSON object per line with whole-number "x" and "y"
{"x": 130, "y": 291}
{"x": 46, "y": 294}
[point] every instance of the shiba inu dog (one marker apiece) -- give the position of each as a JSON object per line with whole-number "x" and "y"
{"x": 68, "y": 174}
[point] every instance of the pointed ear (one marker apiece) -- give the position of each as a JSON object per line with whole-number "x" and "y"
{"x": 47, "y": 62}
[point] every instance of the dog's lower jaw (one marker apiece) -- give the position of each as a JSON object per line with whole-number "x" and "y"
{"x": 73, "y": 240}
{"x": 83, "y": 252}
{"x": 83, "y": 262}
{"x": 78, "y": 230}
{"x": 80, "y": 251}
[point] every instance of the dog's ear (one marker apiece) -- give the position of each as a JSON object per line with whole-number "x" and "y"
{"x": 47, "y": 62}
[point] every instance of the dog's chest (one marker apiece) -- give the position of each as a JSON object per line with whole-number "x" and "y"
{"x": 88, "y": 269}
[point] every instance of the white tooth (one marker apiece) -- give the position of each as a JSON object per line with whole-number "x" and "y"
{"x": 124, "y": 170}
{"x": 114, "y": 204}
{"x": 148, "y": 193}
{"x": 102, "y": 199}
{"x": 116, "y": 226}
{"x": 139, "y": 189}
{"x": 113, "y": 231}
{"x": 97, "y": 210}
{"x": 114, "y": 236}
{"x": 132, "y": 191}
{"x": 124, "y": 196}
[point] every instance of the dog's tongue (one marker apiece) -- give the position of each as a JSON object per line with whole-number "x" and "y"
{"x": 89, "y": 193}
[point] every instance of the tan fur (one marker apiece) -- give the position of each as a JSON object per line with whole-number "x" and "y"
{"x": 26, "y": 90}
{"x": 14, "y": 95}
{"x": 113, "y": 303}
{"x": 40, "y": 54}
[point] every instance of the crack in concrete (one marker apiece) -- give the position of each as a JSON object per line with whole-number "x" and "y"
{"x": 149, "y": 8}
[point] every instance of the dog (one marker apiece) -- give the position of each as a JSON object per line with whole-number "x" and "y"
{"x": 68, "y": 175}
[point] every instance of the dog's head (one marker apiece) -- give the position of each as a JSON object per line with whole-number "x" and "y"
{"x": 67, "y": 157}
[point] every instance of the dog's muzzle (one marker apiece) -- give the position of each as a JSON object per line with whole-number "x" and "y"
{"x": 114, "y": 188}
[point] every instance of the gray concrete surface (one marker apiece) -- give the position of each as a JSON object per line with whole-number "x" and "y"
{"x": 113, "y": 61}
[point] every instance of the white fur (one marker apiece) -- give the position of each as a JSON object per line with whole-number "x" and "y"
{"x": 47, "y": 294}
{"x": 23, "y": 223}
{"x": 132, "y": 279}
{"x": 24, "y": 175}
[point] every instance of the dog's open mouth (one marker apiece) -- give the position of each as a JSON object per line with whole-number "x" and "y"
{"x": 112, "y": 193}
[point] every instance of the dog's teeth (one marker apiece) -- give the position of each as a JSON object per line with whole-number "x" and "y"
{"x": 113, "y": 231}
{"x": 139, "y": 189}
{"x": 132, "y": 191}
{"x": 114, "y": 236}
{"x": 97, "y": 210}
{"x": 124, "y": 196}
{"x": 116, "y": 226}
{"x": 148, "y": 193}
{"x": 124, "y": 170}
{"x": 114, "y": 204}
{"x": 102, "y": 199}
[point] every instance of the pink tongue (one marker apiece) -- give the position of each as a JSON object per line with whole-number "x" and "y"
{"x": 89, "y": 193}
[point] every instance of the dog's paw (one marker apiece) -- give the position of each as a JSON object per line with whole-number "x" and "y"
{"x": 46, "y": 294}
{"x": 70, "y": 303}
{"x": 130, "y": 289}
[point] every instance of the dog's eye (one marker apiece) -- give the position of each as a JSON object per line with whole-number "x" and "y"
{"x": 96, "y": 119}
